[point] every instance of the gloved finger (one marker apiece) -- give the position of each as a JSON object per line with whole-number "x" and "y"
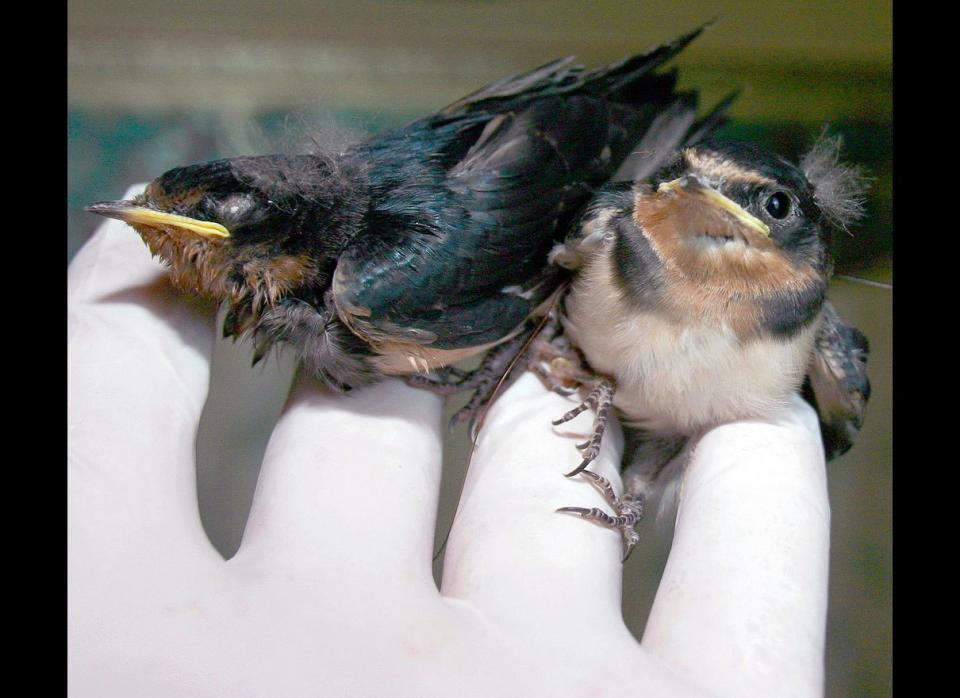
{"x": 742, "y": 603}
{"x": 510, "y": 553}
{"x": 349, "y": 485}
{"x": 138, "y": 367}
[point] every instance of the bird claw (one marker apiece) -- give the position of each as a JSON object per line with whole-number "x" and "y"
{"x": 580, "y": 468}
{"x": 580, "y": 511}
{"x": 599, "y": 399}
{"x": 629, "y": 512}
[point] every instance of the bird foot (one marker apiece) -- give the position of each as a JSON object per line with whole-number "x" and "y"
{"x": 600, "y": 399}
{"x": 491, "y": 375}
{"x": 557, "y": 363}
{"x": 484, "y": 380}
{"x": 628, "y": 508}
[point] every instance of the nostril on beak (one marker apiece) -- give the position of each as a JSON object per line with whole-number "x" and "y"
{"x": 692, "y": 181}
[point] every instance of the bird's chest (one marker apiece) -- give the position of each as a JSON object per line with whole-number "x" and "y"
{"x": 681, "y": 376}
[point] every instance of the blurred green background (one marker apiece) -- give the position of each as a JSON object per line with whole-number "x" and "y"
{"x": 155, "y": 85}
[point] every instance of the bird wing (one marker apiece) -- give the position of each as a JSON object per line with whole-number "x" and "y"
{"x": 467, "y": 203}
{"x": 837, "y": 383}
{"x": 455, "y": 255}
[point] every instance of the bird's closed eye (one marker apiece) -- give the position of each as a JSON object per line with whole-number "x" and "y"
{"x": 236, "y": 208}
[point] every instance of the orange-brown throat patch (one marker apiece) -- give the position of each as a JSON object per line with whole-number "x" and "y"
{"x": 211, "y": 267}
{"x": 197, "y": 264}
{"x": 714, "y": 267}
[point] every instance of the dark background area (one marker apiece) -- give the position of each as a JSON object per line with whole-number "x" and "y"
{"x": 152, "y": 86}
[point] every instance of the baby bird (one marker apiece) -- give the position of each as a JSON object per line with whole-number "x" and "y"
{"x": 423, "y": 245}
{"x": 699, "y": 299}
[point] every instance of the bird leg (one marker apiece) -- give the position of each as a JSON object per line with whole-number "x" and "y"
{"x": 556, "y": 370}
{"x": 629, "y": 511}
{"x": 484, "y": 380}
{"x": 490, "y": 376}
{"x": 600, "y": 399}
{"x": 650, "y": 462}
{"x": 558, "y": 364}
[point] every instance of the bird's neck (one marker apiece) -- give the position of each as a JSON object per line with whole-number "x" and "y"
{"x": 334, "y": 198}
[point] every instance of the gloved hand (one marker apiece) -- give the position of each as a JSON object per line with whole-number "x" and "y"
{"x": 331, "y": 592}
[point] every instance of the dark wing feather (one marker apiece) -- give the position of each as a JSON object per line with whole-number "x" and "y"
{"x": 467, "y": 203}
{"x": 627, "y": 80}
{"x": 837, "y": 383}
{"x": 456, "y": 257}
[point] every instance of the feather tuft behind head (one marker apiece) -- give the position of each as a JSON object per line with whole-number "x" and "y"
{"x": 308, "y": 161}
{"x": 304, "y": 176}
{"x": 839, "y": 189}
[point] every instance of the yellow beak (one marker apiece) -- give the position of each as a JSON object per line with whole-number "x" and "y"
{"x": 131, "y": 213}
{"x": 692, "y": 186}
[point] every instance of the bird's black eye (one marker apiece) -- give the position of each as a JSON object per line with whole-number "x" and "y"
{"x": 778, "y": 205}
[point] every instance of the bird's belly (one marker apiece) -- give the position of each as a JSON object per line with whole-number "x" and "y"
{"x": 677, "y": 378}
{"x": 404, "y": 358}
{"x": 699, "y": 381}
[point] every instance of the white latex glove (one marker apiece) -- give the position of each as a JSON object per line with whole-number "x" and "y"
{"x": 331, "y": 593}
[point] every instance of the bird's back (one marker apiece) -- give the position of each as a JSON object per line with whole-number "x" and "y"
{"x": 466, "y": 203}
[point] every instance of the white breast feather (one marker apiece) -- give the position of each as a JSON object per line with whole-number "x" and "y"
{"x": 678, "y": 378}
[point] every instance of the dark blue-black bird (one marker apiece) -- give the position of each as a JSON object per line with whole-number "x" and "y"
{"x": 423, "y": 245}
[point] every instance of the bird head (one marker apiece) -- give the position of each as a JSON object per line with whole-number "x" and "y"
{"x": 238, "y": 228}
{"x": 734, "y": 210}
{"x": 730, "y": 226}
